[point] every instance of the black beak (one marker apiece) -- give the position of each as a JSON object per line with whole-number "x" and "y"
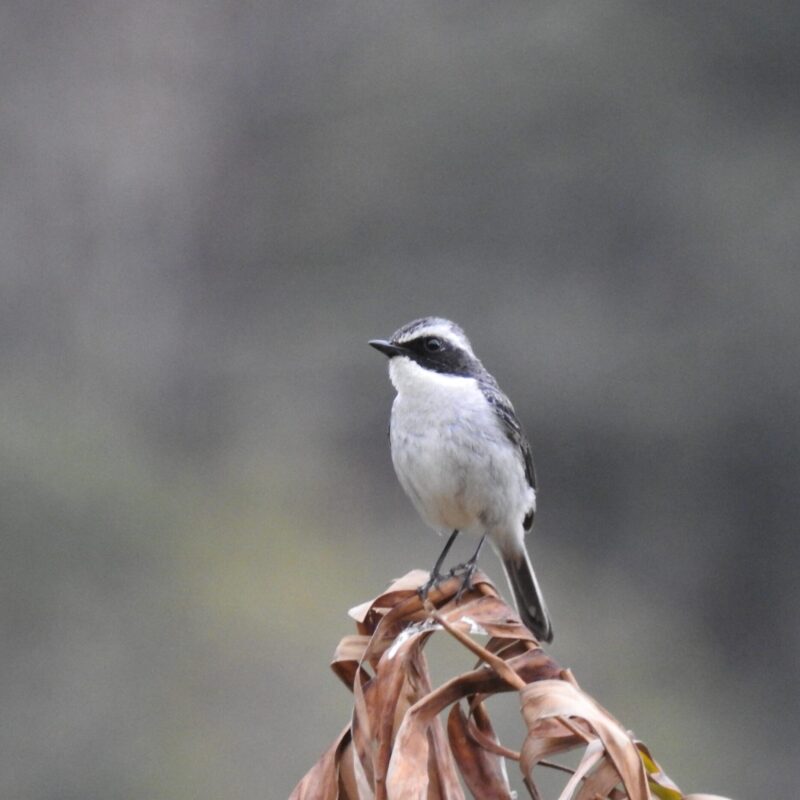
{"x": 387, "y": 348}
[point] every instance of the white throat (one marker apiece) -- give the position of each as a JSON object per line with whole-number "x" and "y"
{"x": 408, "y": 377}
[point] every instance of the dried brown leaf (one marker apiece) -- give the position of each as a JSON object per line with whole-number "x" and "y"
{"x": 482, "y": 731}
{"x": 592, "y": 756}
{"x": 483, "y": 771}
{"x": 406, "y": 585}
{"x": 547, "y": 699}
{"x": 348, "y": 780}
{"x": 348, "y": 657}
{"x": 321, "y": 782}
{"x": 395, "y": 747}
{"x": 600, "y": 783}
{"x": 661, "y": 785}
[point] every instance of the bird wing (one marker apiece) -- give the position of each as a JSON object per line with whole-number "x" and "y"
{"x": 507, "y": 417}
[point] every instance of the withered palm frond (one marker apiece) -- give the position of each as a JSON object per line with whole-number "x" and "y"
{"x": 396, "y": 746}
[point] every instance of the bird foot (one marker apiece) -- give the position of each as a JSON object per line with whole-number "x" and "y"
{"x": 433, "y": 581}
{"x": 466, "y": 571}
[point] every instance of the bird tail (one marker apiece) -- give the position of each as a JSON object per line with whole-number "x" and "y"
{"x": 527, "y": 594}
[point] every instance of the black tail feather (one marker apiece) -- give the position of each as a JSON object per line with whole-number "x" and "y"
{"x": 527, "y": 594}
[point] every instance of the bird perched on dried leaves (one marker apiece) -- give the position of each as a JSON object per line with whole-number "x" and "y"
{"x": 461, "y": 455}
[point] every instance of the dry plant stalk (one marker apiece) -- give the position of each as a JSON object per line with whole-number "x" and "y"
{"x": 396, "y": 747}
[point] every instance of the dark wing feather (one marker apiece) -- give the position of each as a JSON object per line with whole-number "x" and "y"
{"x": 508, "y": 419}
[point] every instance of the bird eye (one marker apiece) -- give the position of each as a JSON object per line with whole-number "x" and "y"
{"x": 432, "y": 344}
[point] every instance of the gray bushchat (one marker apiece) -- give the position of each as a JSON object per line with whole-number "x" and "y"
{"x": 461, "y": 456}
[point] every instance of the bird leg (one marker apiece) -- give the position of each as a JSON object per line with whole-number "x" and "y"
{"x": 436, "y": 575}
{"x": 467, "y": 570}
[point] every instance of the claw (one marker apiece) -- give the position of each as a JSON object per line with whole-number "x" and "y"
{"x": 435, "y": 579}
{"x": 466, "y": 582}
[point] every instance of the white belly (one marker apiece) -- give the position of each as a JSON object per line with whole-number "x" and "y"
{"x": 453, "y": 458}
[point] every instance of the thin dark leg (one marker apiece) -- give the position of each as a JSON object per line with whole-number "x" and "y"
{"x": 436, "y": 574}
{"x": 439, "y": 561}
{"x": 469, "y": 568}
{"x": 471, "y": 562}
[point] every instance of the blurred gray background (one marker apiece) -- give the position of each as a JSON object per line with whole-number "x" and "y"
{"x": 208, "y": 208}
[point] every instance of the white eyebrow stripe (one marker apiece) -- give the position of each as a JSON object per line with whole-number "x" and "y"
{"x": 441, "y": 329}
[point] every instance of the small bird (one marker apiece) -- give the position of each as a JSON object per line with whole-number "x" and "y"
{"x": 461, "y": 456}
